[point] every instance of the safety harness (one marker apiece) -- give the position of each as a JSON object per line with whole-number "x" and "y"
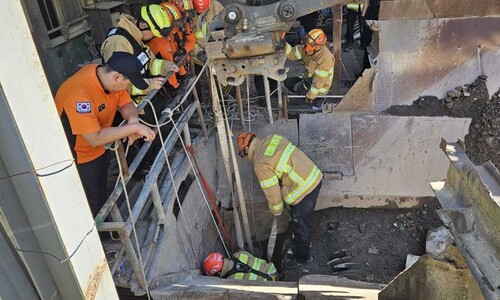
{"x": 240, "y": 267}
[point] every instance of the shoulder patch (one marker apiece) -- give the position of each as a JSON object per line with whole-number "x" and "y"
{"x": 83, "y": 107}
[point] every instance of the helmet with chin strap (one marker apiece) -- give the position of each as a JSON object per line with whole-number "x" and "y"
{"x": 157, "y": 19}
{"x": 315, "y": 39}
{"x": 244, "y": 140}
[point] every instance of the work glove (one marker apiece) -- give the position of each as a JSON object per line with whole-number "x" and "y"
{"x": 179, "y": 54}
{"x": 202, "y": 56}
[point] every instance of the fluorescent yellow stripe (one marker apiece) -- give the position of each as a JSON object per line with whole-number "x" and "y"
{"x": 156, "y": 67}
{"x": 288, "y": 49}
{"x": 300, "y": 190}
{"x": 137, "y": 92}
{"x": 321, "y": 73}
{"x": 295, "y": 177}
{"x": 284, "y": 159}
{"x": 354, "y": 6}
{"x": 273, "y": 144}
{"x": 323, "y": 90}
{"x": 314, "y": 90}
{"x": 298, "y": 55}
{"x": 255, "y": 266}
{"x": 277, "y": 208}
{"x": 244, "y": 259}
{"x": 269, "y": 182}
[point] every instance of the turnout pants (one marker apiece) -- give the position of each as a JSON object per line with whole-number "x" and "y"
{"x": 94, "y": 176}
{"x": 302, "y": 215}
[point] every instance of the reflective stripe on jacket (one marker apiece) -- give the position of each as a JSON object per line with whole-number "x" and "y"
{"x": 319, "y": 66}
{"x": 354, "y": 6}
{"x": 254, "y": 263}
{"x": 285, "y": 173}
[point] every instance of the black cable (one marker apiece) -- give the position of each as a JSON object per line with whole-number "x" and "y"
{"x": 43, "y": 175}
{"x": 55, "y": 257}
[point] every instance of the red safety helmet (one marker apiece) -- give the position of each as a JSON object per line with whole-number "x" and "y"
{"x": 213, "y": 263}
{"x": 244, "y": 140}
{"x": 315, "y": 39}
{"x": 201, "y": 6}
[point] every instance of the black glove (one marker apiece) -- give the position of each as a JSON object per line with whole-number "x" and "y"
{"x": 202, "y": 56}
{"x": 179, "y": 54}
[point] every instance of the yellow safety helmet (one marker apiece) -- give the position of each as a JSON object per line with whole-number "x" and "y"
{"x": 157, "y": 19}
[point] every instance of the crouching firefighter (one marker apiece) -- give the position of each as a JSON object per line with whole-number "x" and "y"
{"x": 286, "y": 175}
{"x": 242, "y": 265}
{"x": 319, "y": 62}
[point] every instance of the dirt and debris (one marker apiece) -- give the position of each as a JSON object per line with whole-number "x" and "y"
{"x": 378, "y": 240}
{"x": 468, "y": 101}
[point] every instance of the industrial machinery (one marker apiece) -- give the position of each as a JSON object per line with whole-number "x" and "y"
{"x": 244, "y": 40}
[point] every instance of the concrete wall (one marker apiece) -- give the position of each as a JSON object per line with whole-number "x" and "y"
{"x": 431, "y": 56}
{"x": 174, "y": 253}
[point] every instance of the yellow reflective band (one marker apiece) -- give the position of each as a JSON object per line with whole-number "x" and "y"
{"x": 255, "y": 266}
{"x": 299, "y": 191}
{"x": 284, "y": 159}
{"x": 323, "y": 90}
{"x": 136, "y": 91}
{"x": 199, "y": 34}
{"x": 269, "y": 182}
{"x": 297, "y": 53}
{"x": 244, "y": 259}
{"x": 321, "y": 73}
{"x": 354, "y": 6}
{"x": 313, "y": 90}
{"x": 273, "y": 144}
{"x": 156, "y": 67}
{"x": 288, "y": 49}
{"x": 276, "y": 208}
{"x": 295, "y": 177}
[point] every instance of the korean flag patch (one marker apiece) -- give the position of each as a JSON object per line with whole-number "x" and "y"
{"x": 83, "y": 107}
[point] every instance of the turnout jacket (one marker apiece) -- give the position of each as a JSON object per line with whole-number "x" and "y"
{"x": 285, "y": 173}
{"x": 319, "y": 66}
{"x": 117, "y": 42}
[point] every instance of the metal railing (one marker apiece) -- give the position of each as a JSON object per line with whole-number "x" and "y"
{"x": 124, "y": 225}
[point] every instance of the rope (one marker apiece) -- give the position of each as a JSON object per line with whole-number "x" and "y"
{"x": 181, "y": 210}
{"x": 136, "y": 239}
{"x": 251, "y": 175}
{"x": 201, "y": 189}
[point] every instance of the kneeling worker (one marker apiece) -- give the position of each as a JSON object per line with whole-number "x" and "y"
{"x": 287, "y": 175}
{"x": 242, "y": 265}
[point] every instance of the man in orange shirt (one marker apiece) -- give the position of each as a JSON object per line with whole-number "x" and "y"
{"x": 87, "y": 104}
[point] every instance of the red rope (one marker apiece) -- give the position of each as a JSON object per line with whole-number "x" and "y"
{"x": 211, "y": 197}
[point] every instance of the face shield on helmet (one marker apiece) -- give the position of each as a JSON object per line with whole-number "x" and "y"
{"x": 314, "y": 40}
{"x": 244, "y": 140}
{"x": 212, "y": 266}
{"x": 157, "y": 19}
{"x": 201, "y": 5}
